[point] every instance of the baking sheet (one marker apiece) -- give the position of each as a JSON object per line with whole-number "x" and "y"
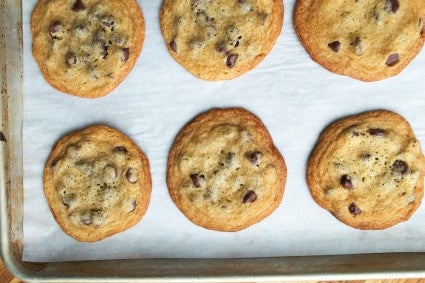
{"x": 295, "y": 98}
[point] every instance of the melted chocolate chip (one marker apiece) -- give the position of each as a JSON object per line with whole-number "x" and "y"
{"x": 173, "y": 46}
{"x": 353, "y": 209}
{"x": 249, "y": 197}
{"x": 335, "y": 46}
{"x": 78, "y": 6}
{"x": 400, "y": 167}
{"x": 392, "y": 59}
{"x": 131, "y": 175}
{"x": 231, "y": 60}
{"x": 346, "y": 182}
{"x": 71, "y": 59}
{"x": 377, "y": 132}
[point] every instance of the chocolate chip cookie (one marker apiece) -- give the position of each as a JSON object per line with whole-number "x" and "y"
{"x": 97, "y": 183}
{"x": 222, "y": 39}
{"x": 86, "y": 47}
{"x": 368, "y": 170}
{"x": 366, "y": 40}
{"x": 224, "y": 172}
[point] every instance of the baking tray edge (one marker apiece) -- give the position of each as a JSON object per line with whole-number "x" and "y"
{"x": 341, "y": 267}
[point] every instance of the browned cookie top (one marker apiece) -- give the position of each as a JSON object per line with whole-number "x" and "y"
{"x": 224, "y": 172}
{"x": 97, "y": 183}
{"x": 220, "y": 39}
{"x": 368, "y": 170}
{"x": 86, "y": 47}
{"x": 367, "y": 40}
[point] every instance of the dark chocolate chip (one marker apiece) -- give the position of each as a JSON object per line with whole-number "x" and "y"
{"x": 392, "y": 59}
{"x": 355, "y": 134}
{"x": 55, "y": 28}
{"x": 78, "y": 6}
{"x": 377, "y": 132}
{"x": 120, "y": 149}
{"x": 250, "y": 196}
{"x": 231, "y": 60}
{"x": 173, "y": 45}
{"x": 131, "y": 175}
{"x": 400, "y": 167}
{"x": 134, "y": 205}
{"x": 2, "y": 137}
{"x": 254, "y": 157}
{"x": 196, "y": 180}
{"x": 353, "y": 209}
{"x": 346, "y": 182}
{"x": 222, "y": 49}
{"x": 394, "y": 5}
{"x": 125, "y": 54}
{"x": 335, "y": 46}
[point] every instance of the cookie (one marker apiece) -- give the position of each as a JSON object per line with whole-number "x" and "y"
{"x": 220, "y": 40}
{"x": 368, "y": 170}
{"x": 86, "y": 47}
{"x": 366, "y": 40}
{"x": 224, "y": 172}
{"x": 97, "y": 183}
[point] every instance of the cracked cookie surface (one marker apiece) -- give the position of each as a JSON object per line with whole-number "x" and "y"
{"x": 366, "y": 40}
{"x": 218, "y": 40}
{"x": 224, "y": 172}
{"x": 368, "y": 170}
{"x": 86, "y": 47}
{"x": 97, "y": 183}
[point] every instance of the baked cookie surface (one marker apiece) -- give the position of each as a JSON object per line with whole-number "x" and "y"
{"x": 221, "y": 39}
{"x": 368, "y": 170}
{"x": 366, "y": 40}
{"x": 97, "y": 183}
{"x": 224, "y": 172}
{"x": 86, "y": 47}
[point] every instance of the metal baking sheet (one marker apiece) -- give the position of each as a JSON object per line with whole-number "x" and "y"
{"x": 322, "y": 102}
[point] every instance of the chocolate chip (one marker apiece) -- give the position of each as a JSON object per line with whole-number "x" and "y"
{"x": 133, "y": 206}
{"x": 55, "y": 28}
{"x": 120, "y": 150}
{"x": 78, "y": 6}
{"x": 222, "y": 49}
{"x": 377, "y": 132}
{"x": 173, "y": 45}
{"x": 131, "y": 175}
{"x": 254, "y": 157}
{"x": 392, "y": 6}
{"x": 392, "y": 59}
{"x": 335, "y": 45}
{"x": 231, "y": 60}
{"x": 71, "y": 59}
{"x": 346, "y": 182}
{"x": 68, "y": 199}
{"x": 197, "y": 180}
{"x": 249, "y": 197}
{"x": 125, "y": 54}
{"x": 353, "y": 209}
{"x": 400, "y": 167}
{"x": 355, "y": 134}
{"x": 2, "y": 137}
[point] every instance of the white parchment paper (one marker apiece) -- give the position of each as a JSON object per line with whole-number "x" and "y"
{"x": 295, "y": 98}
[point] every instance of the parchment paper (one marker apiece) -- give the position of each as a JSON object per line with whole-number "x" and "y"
{"x": 295, "y": 97}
